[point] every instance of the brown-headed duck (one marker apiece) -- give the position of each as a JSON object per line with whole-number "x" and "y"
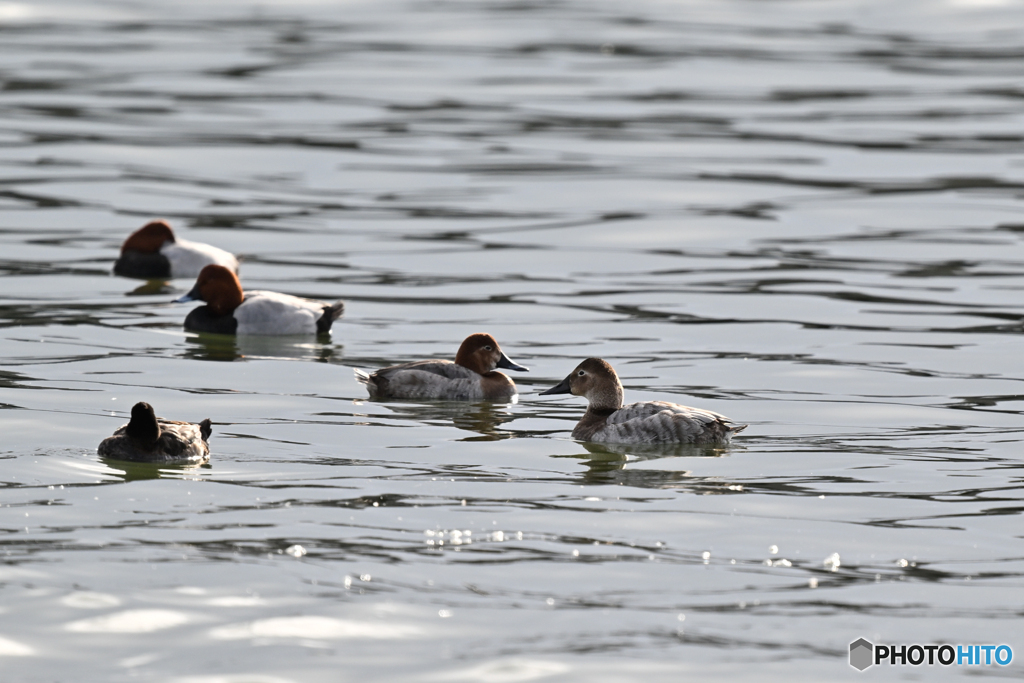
{"x": 608, "y": 421}
{"x": 230, "y": 311}
{"x": 148, "y": 438}
{"x": 153, "y": 252}
{"x": 472, "y": 377}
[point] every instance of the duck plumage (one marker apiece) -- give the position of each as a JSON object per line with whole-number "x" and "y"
{"x": 147, "y": 438}
{"x": 607, "y": 420}
{"x": 471, "y": 377}
{"x": 154, "y": 252}
{"x": 229, "y": 310}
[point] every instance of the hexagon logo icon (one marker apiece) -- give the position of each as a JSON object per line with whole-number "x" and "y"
{"x": 862, "y": 654}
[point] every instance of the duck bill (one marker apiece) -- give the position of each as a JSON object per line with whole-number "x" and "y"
{"x": 508, "y": 364}
{"x": 193, "y": 295}
{"x": 560, "y": 388}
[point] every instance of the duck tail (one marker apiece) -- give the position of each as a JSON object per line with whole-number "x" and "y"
{"x": 206, "y": 429}
{"x": 370, "y": 381}
{"x": 331, "y": 313}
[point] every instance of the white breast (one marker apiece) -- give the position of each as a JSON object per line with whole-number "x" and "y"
{"x": 274, "y": 313}
{"x": 188, "y": 258}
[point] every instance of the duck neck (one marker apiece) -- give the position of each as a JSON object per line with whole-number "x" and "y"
{"x": 606, "y": 400}
{"x": 471, "y": 361}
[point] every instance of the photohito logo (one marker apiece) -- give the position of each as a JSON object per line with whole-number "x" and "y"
{"x": 863, "y": 654}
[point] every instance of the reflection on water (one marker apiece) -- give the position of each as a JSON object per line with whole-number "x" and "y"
{"x": 632, "y": 466}
{"x": 151, "y": 288}
{"x": 225, "y": 347}
{"x": 141, "y": 471}
{"x": 484, "y": 418}
{"x": 804, "y": 216}
{"x": 622, "y": 452}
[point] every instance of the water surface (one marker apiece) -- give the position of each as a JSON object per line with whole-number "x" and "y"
{"x": 804, "y": 215}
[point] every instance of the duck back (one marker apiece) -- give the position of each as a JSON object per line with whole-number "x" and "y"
{"x": 656, "y": 422}
{"x": 274, "y": 313}
{"x": 437, "y": 379}
{"x": 179, "y": 442}
{"x": 187, "y": 259}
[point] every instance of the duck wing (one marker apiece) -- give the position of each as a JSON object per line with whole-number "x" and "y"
{"x": 274, "y": 313}
{"x": 664, "y": 422}
{"x": 425, "y": 379}
{"x": 187, "y": 258}
{"x": 441, "y": 368}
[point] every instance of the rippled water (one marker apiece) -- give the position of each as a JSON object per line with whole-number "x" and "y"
{"x": 804, "y": 215}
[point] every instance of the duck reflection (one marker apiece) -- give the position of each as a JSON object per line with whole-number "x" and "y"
{"x": 653, "y": 451}
{"x": 609, "y": 464}
{"x": 228, "y": 347}
{"x": 141, "y": 471}
{"x": 484, "y": 418}
{"x": 151, "y": 287}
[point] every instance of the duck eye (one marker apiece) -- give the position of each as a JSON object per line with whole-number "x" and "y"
{"x": 581, "y": 373}
{"x": 488, "y": 348}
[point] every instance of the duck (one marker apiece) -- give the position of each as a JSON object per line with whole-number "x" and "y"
{"x": 472, "y": 377}
{"x": 154, "y": 253}
{"x": 148, "y": 438}
{"x": 607, "y": 420}
{"x": 229, "y": 310}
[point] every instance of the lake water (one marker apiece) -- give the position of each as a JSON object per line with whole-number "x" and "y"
{"x": 805, "y": 215}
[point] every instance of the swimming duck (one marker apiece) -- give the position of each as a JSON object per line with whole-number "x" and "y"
{"x": 608, "y": 421}
{"x": 148, "y": 438}
{"x": 153, "y": 252}
{"x": 230, "y": 311}
{"x": 472, "y": 377}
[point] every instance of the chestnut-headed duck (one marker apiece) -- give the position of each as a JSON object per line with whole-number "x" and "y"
{"x": 148, "y": 438}
{"x": 230, "y": 311}
{"x": 608, "y": 421}
{"x": 472, "y": 377}
{"x": 153, "y": 252}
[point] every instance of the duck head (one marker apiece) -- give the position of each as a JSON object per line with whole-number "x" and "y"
{"x": 595, "y": 380}
{"x": 143, "y": 427}
{"x": 481, "y": 353}
{"x": 218, "y": 287}
{"x": 149, "y": 238}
